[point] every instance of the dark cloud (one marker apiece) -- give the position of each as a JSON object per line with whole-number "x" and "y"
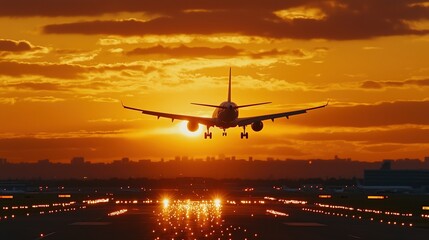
{"x": 225, "y": 51}
{"x": 371, "y": 85}
{"x": 184, "y": 51}
{"x": 383, "y": 114}
{"x": 18, "y": 69}
{"x": 384, "y": 84}
{"x": 7, "y": 45}
{"x": 399, "y": 136}
{"x": 55, "y": 8}
{"x": 344, "y": 20}
{"x": 276, "y": 52}
{"x": 36, "y": 86}
{"x": 383, "y": 147}
{"x": 64, "y": 71}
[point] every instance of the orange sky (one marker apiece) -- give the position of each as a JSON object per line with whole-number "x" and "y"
{"x": 64, "y": 66}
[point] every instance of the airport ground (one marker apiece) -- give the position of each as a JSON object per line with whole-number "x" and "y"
{"x": 205, "y": 214}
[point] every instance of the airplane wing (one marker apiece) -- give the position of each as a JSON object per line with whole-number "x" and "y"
{"x": 249, "y": 120}
{"x": 202, "y": 120}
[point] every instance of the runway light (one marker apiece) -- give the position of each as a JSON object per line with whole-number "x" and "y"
{"x": 325, "y": 196}
{"x": 6, "y": 196}
{"x": 217, "y": 202}
{"x": 116, "y": 213}
{"x": 165, "y": 202}
{"x": 275, "y": 213}
{"x": 376, "y": 197}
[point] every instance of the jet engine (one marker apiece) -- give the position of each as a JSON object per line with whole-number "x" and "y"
{"x": 257, "y": 126}
{"x": 192, "y": 126}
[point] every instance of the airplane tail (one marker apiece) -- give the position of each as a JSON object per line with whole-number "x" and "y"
{"x": 229, "y": 86}
{"x": 229, "y": 98}
{"x": 229, "y": 95}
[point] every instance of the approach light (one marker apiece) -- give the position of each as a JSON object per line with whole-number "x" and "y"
{"x": 165, "y": 202}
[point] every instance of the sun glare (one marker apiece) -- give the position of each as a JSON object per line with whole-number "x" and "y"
{"x": 184, "y": 130}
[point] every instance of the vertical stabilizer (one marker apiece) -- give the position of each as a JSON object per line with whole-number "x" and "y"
{"x": 229, "y": 86}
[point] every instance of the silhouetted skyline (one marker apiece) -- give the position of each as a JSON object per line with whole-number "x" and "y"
{"x": 211, "y": 167}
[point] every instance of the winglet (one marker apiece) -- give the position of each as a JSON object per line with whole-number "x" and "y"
{"x": 229, "y": 86}
{"x": 122, "y": 104}
{"x": 327, "y": 103}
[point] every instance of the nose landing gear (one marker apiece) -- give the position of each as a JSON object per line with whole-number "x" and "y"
{"x": 224, "y": 133}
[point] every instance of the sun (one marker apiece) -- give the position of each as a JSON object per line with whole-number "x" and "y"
{"x": 184, "y": 130}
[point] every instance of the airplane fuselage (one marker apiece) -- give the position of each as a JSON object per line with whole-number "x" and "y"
{"x": 226, "y": 115}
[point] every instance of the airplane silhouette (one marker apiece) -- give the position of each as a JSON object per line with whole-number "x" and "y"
{"x": 225, "y": 116}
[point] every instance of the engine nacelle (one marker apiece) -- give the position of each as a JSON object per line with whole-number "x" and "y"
{"x": 257, "y": 126}
{"x": 192, "y": 126}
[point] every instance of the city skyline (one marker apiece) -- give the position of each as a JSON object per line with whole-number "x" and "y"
{"x": 221, "y": 167}
{"x": 64, "y": 70}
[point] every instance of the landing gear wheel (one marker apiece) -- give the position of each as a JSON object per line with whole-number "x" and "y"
{"x": 244, "y": 135}
{"x": 207, "y": 135}
{"x": 224, "y": 133}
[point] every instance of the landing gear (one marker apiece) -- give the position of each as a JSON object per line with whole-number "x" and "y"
{"x": 208, "y": 134}
{"x": 224, "y": 133}
{"x": 244, "y": 134}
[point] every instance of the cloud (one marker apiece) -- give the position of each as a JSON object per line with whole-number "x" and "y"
{"x": 18, "y": 69}
{"x": 403, "y": 135}
{"x": 65, "y": 70}
{"x": 383, "y": 147}
{"x": 53, "y": 8}
{"x": 14, "y": 46}
{"x": 79, "y": 57}
{"x": 296, "y": 53}
{"x": 382, "y": 114}
{"x": 185, "y": 51}
{"x": 225, "y": 51}
{"x": 7, "y": 100}
{"x": 12, "y": 49}
{"x": 37, "y": 86}
{"x": 44, "y": 99}
{"x": 337, "y": 20}
{"x": 100, "y": 99}
{"x": 395, "y": 84}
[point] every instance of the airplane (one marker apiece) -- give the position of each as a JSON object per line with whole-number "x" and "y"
{"x": 385, "y": 188}
{"x": 225, "y": 116}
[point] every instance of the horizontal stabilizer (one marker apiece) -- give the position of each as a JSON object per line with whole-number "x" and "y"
{"x": 217, "y": 106}
{"x": 253, "y": 104}
{"x": 208, "y": 105}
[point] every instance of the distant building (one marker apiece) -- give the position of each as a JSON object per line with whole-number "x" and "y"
{"x": 3, "y": 161}
{"x": 77, "y": 161}
{"x": 44, "y": 161}
{"x": 386, "y": 165}
{"x": 385, "y": 176}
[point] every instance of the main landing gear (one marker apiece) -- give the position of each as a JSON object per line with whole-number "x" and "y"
{"x": 244, "y": 134}
{"x": 224, "y": 133}
{"x": 208, "y": 134}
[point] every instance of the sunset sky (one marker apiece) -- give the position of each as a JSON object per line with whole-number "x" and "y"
{"x": 66, "y": 64}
